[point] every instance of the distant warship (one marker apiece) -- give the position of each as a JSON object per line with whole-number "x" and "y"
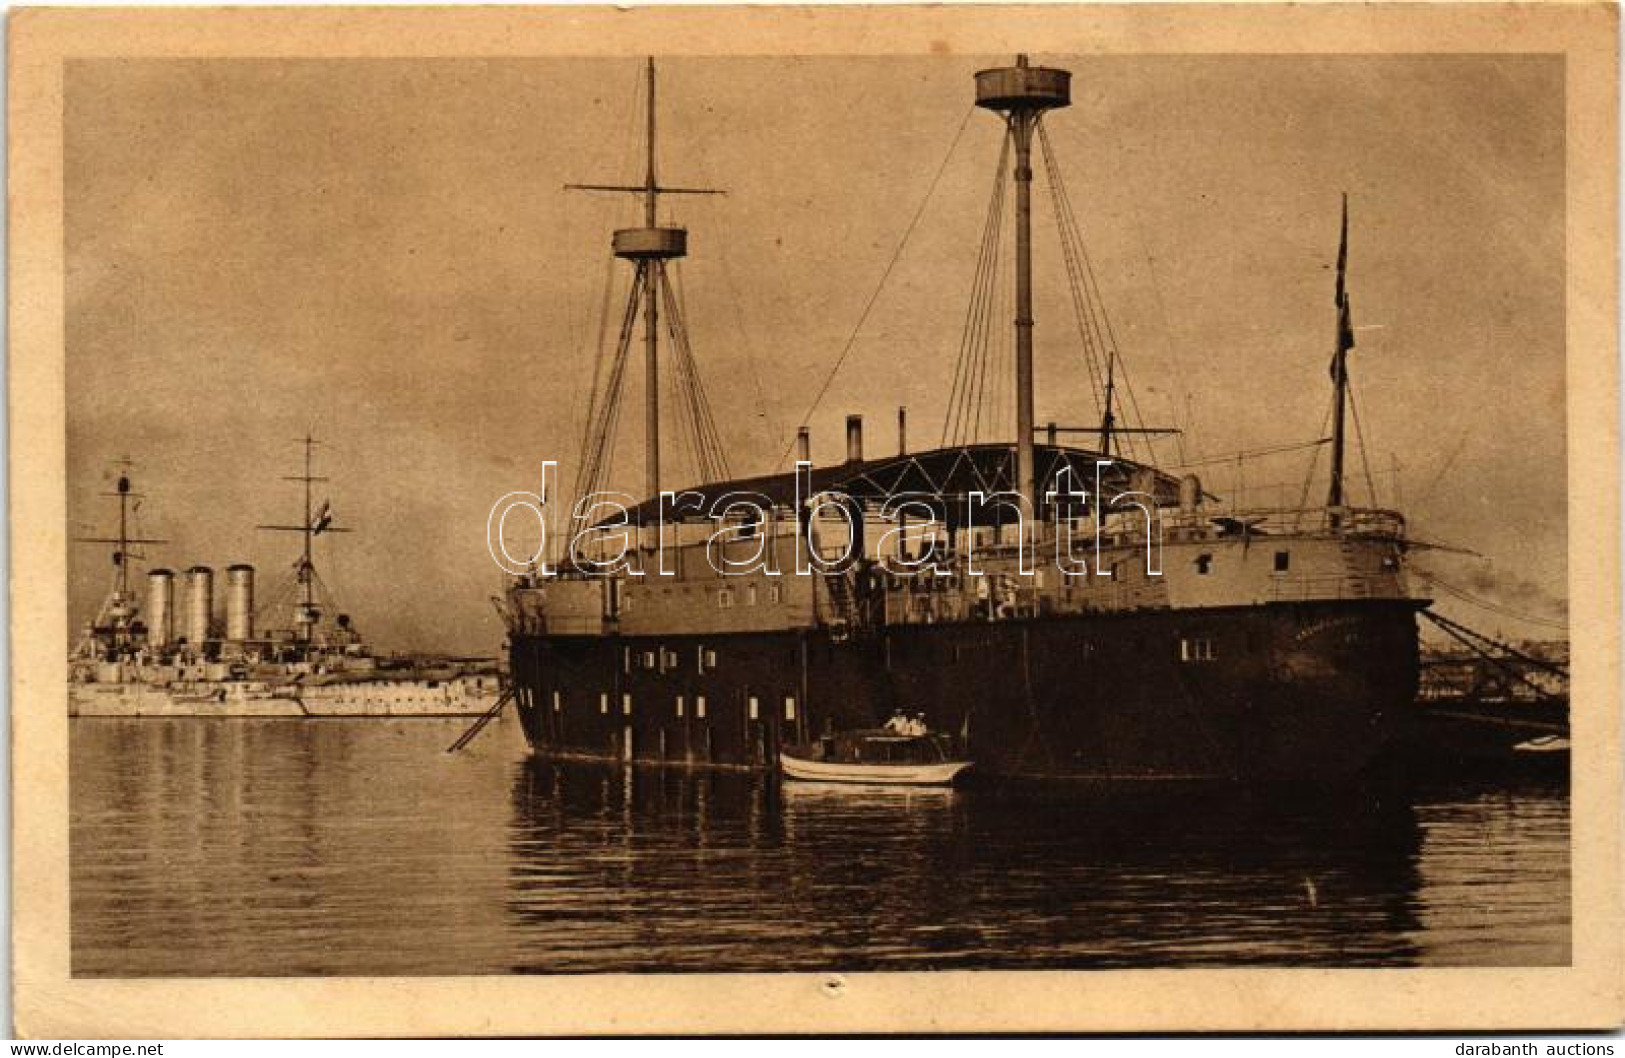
{"x": 1253, "y": 644}
{"x": 187, "y": 660}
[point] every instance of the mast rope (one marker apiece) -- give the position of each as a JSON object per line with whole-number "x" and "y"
{"x": 868, "y": 307}
{"x": 1359, "y": 439}
{"x": 973, "y": 339}
{"x": 1080, "y": 313}
{"x": 1094, "y": 302}
{"x": 1484, "y": 604}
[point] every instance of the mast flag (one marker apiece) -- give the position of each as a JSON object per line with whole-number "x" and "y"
{"x": 1345, "y": 316}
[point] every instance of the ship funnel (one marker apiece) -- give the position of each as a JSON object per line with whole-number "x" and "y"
{"x": 803, "y": 446}
{"x": 854, "y": 438}
{"x": 160, "y": 607}
{"x": 199, "y": 604}
{"x": 1190, "y": 493}
{"x": 240, "y": 603}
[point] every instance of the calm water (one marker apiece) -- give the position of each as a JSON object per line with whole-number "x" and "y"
{"x": 358, "y": 847}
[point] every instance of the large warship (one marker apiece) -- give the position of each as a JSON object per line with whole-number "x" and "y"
{"x": 180, "y": 655}
{"x": 1190, "y": 637}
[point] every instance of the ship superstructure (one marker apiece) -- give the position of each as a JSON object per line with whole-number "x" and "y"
{"x": 187, "y": 656}
{"x": 1067, "y": 612}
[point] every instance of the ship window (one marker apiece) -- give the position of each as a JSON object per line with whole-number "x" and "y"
{"x": 603, "y": 704}
{"x": 710, "y": 659}
{"x": 670, "y": 660}
{"x": 557, "y": 704}
{"x": 1196, "y": 650}
{"x": 725, "y": 598}
{"x": 626, "y": 705}
{"x": 1204, "y": 564}
{"x": 679, "y": 707}
{"x": 750, "y": 595}
{"x": 699, "y": 706}
{"x": 648, "y": 659}
{"x": 1283, "y": 561}
{"x": 775, "y": 592}
{"x": 626, "y": 659}
{"x": 755, "y": 708}
{"x": 789, "y": 708}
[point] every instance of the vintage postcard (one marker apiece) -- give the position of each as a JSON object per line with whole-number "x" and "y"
{"x": 814, "y": 519}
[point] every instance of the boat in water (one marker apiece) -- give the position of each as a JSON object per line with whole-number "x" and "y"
{"x": 171, "y": 660}
{"x": 1195, "y": 639}
{"x": 881, "y": 757}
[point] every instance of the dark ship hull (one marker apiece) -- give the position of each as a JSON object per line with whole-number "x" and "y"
{"x": 1297, "y": 690}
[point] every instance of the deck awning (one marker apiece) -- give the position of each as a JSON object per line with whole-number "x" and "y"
{"x": 945, "y": 477}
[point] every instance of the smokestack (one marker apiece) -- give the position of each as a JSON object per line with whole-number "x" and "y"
{"x": 240, "y": 603}
{"x": 854, "y": 438}
{"x": 803, "y": 446}
{"x": 160, "y": 607}
{"x": 199, "y": 604}
{"x": 902, "y": 431}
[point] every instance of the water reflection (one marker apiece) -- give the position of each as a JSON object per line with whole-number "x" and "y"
{"x": 288, "y": 847}
{"x": 800, "y": 876}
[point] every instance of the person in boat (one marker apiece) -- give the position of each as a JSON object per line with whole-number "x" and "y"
{"x": 898, "y": 724}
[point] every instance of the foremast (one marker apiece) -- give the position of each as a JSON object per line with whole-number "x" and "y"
{"x": 307, "y": 612}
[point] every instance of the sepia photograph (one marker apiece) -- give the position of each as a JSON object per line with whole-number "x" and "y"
{"x": 580, "y": 511}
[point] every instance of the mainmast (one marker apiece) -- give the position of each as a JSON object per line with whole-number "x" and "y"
{"x": 314, "y": 523}
{"x": 1340, "y": 372}
{"x": 1022, "y": 94}
{"x": 649, "y": 248}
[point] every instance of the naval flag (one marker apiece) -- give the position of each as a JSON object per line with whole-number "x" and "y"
{"x": 324, "y": 518}
{"x": 1345, "y": 315}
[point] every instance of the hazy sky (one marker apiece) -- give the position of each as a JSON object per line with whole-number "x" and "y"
{"x": 381, "y": 251}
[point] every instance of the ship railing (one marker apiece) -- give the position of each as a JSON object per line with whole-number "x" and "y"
{"x": 1307, "y": 588}
{"x": 1290, "y": 521}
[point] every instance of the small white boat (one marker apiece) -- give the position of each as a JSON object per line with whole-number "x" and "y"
{"x": 1543, "y": 744}
{"x": 875, "y": 757}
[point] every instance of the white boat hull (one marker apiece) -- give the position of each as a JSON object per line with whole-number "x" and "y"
{"x": 937, "y": 774}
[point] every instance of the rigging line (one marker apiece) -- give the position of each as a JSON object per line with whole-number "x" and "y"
{"x": 1438, "y": 476}
{"x": 707, "y": 433}
{"x": 979, "y": 325}
{"x": 1090, "y": 358}
{"x": 1249, "y": 453}
{"x": 987, "y": 348}
{"x": 1105, "y": 346}
{"x": 768, "y": 420}
{"x": 1314, "y": 462}
{"x": 874, "y": 297}
{"x": 677, "y": 381}
{"x": 588, "y": 474}
{"x": 1484, "y": 604}
{"x": 1071, "y": 235}
{"x": 602, "y": 350}
{"x": 595, "y": 468}
{"x": 1136, "y": 417}
{"x": 980, "y": 335}
{"x": 962, "y": 367}
{"x": 683, "y": 383}
{"x": 1359, "y": 436}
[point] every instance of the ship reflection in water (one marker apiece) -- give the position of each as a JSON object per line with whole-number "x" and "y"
{"x": 358, "y": 847}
